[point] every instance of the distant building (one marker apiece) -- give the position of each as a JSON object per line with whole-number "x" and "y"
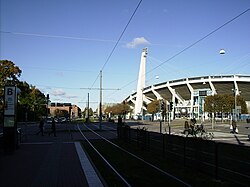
{"x": 72, "y": 111}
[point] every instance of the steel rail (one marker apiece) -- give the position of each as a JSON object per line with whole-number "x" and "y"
{"x": 114, "y": 170}
{"x": 145, "y": 162}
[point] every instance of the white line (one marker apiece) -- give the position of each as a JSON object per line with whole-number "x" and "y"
{"x": 91, "y": 176}
{"x": 117, "y": 173}
{"x": 37, "y": 143}
{"x": 158, "y": 169}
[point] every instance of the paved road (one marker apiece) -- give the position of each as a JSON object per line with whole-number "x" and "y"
{"x": 48, "y": 160}
{"x": 221, "y": 131}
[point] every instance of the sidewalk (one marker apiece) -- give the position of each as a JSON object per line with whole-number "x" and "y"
{"x": 47, "y": 161}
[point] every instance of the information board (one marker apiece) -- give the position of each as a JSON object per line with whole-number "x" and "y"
{"x": 10, "y": 101}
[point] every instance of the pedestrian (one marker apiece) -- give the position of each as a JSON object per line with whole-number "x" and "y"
{"x": 235, "y": 130}
{"x": 119, "y": 120}
{"x": 119, "y": 126}
{"x": 53, "y": 127}
{"x": 186, "y": 125}
{"x": 41, "y": 126}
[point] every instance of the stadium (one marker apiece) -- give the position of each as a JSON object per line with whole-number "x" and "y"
{"x": 188, "y": 94}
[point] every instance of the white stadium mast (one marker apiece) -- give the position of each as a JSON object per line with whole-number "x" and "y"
{"x": 141, "y": 84}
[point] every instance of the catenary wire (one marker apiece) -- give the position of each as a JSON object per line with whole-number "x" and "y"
{"x": 198, "y": 41}
{"x": 188, "y": 47}
{"x": 112, "y": 51}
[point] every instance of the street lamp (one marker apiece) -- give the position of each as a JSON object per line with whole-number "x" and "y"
{"x": 222, "y": 51}
{"x": 47, "y": 103}
{"x": 235, "y": 103}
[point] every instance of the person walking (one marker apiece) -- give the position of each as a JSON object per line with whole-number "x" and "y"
{"x": 235, "y": 130}
{"x": 119, "y": 126}
{"x": 53, "y": 127}
{"x": 41, "y": 126}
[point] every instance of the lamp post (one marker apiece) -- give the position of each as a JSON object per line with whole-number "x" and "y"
{"x": 212, "y": 115}
{"x": 47, "y": 106}
{"x": 235, "y": 103}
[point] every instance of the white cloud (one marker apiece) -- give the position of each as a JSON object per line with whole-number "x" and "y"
{"x": 71, "y": 96}
{"x": 59, "y": 92}
{"x": 136, "y": 42}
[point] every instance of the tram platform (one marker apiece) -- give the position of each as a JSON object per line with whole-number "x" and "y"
{"x": 48, "y": 161}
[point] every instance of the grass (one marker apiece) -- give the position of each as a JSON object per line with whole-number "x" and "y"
{"x": 139, "y": 174}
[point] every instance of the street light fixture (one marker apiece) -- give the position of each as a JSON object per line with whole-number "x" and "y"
{"x": 222, "y": 51}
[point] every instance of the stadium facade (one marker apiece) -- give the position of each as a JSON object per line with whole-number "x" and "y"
{"x": 188, "y": 94}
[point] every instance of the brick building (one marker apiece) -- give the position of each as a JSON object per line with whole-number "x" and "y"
{"x": 69, "y": 110}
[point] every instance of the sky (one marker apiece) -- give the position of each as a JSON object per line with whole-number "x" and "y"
{"x": 61, "y": 45}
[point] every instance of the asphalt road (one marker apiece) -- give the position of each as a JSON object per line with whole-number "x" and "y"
{"x": 220, "y": 130}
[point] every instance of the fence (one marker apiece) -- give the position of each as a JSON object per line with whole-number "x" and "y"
{"x": 221, "y": 160}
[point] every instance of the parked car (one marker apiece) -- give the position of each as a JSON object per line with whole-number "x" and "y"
{"x": 61, "y": 119}
{"x": 49, "y": 119}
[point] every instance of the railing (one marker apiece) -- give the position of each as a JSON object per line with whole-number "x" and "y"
{"x": 221, "y": 160}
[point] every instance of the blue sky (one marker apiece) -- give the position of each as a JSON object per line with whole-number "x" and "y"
{"x": 62, "y": 45}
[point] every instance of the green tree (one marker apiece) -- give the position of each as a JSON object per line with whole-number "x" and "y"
{"x": 8, "y": 76}
{"x": 61, "y": 113}
{"x": 118, "y": 109}
{"x": 9, "y": 73}
{"x": 242, "y": 102}
{"x": 31, "y": 101}
{"x": 153, "y": 107}
{"x": 224, "y": 103}
{"x": 84, "y": 112}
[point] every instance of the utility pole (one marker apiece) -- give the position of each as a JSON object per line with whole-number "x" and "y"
{"x": 100, "y": 107}
{"x": 47, "y": 107}
{"x": 88, "y": 109}
{"x": 100, "y": 104}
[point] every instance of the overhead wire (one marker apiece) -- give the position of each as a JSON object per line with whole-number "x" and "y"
{"x": 58, "y": 36}
{"x": 75, "y": 38}
{"x": 125, "y": 28}
{"x": 238, "y": 64}
{"x": 122, "y": 33}
{"x": 201, "y": 39}
{"x": 190, "y": 46}
{"x": 57, "y": 69}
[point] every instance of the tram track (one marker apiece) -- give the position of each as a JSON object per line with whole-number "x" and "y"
{"x": 103, "y": 158}
{"x": 139, "y": 159}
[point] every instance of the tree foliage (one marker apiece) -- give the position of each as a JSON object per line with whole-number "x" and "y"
{"x": 61, "y": 113}
{"x": 153, "y": 107}
{"x": 8, "y": 76}
{"x": 224, "y": 103}
{"x": 9, "y": 73}
{"x": 118, "y": 109}
{"x": 31, "y": 101}
{"x": 84, "y": 113}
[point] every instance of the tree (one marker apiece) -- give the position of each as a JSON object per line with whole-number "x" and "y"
{"x": 118, "y": 109}
{"x": 32, "y": 101}
{"x": 224, "y": 103}
{"x": 61, "y": 113}
{"x": 9, "y": 73}
{"x": 242, "y": 102}
{"x": 84, "y": 113}
{"x": 153, "y": 107}
{"x": 8, "y": 76}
